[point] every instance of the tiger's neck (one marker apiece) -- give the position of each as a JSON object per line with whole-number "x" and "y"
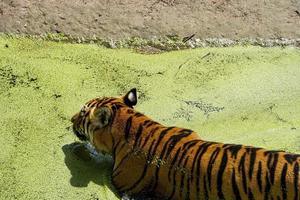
{"x": 131, "y": 130}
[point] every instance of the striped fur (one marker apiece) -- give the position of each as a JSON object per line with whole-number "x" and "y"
{"x": 174, "y": 163}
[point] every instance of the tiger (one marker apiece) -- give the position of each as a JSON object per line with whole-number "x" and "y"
{"x": 175, "y": 163}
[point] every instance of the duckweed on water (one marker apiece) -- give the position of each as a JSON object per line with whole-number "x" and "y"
{"x": 248, "y": 95}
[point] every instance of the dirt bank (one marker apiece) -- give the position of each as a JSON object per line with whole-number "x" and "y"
{"x": 119, "y": 19}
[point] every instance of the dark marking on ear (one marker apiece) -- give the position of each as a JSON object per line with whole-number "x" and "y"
{"x": 130, "y": 99}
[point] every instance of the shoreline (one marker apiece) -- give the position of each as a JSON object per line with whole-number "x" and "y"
{"x": 161, "y": 44}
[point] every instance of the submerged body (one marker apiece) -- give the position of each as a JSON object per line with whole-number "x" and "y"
{"x": 174, "y": 163}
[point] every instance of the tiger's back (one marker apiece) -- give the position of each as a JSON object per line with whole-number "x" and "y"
{"x": 174, "y": 163}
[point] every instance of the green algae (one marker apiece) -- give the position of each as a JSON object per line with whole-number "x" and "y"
{"x": 248, "y": 95}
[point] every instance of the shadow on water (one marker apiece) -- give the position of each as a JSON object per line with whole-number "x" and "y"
{"x": 84, "y": 168}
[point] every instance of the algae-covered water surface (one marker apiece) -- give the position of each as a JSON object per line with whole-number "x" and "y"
{"x": 248, "y": 95}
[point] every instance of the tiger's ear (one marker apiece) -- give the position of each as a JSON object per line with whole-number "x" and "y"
{"x": 101, "y": 117}
{"x": 130, "y": 99}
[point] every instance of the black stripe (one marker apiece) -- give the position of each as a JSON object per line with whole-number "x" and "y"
{"x": 91, "y": 104}
{"x": 188, "y": 188}
{"x": 122, "y": 160}
{"x": 190, "y": 144}
{"x": 182, "y": 178}
{"x": 107, "y": 101}
{"x": 97, "y": 104}
{"x": 174, "y": 173}
{"x": 121, "y": 147}
{"x": 250, "y": 194}
{"x": 283, "y": 181}
{"x": 127, "y": 128}
{"x": 273, "y": 168}
{"x": 181, "y": 185}
{"x": 194, "y": 161}
{"x": 235, "y": 187}
{"x": 220, "y": 175}
{"x": 226, "y": 146}
{"x": 88, "y": 105}
{"x": 242, "y": 170}
{"x": 117, "y": 106}
{"x": 269, "y": 160}
{"x": 115, "y": 146}
{"x": 173, "y": 162}
{"x": 206, "y": 197}
{"x": 203, "y": 150}
{"x": 268, "y": 187}
{"x": 186, "y": 146}
{"x": 186, "y": 173}
{"x": 170, "y": 144}
{"x": 145, "y": 141}
{"x": 150, "y": 123}
{"x": 148, "y": 136}
{"x": 258, "y": 176}
{"x": 87, "y": 113}
{"x": 174, "y": 140}
{"x": 146, "y": 122}
{"x": 114, "y": 174}
{"x": 173, "y": 182}
{"x": 88, "y": 126}
{"x": 114, "y": 113}
{"x": 137, "y": 114}
{"x": 211, "y": 164}
{"x": 290, "y": 158}
{"x": 138, "y": 136}
{"x": 162, "y": 134}
{"x": 234, "y": 149}
{"x": 173, "y": 165}
{"x": 252, "y": 162}
{"x": 296, "y": 177}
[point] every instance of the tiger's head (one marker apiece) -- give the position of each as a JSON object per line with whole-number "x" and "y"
{"x": 96, "y": 117}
